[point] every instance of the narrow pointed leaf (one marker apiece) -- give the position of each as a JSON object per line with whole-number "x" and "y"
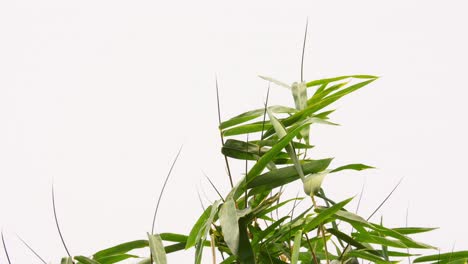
{"x": 120, "y": 249}
{"x": 279, "y": 83}
{"x": 325, "y": 214}
{"x": 356, "y": 167}
{"x": 334, "y": 79}
{"x": 296, "y": 247}
{"x": 441, "y": 257}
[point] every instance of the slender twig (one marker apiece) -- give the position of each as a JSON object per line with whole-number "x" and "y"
{"x": 214, "y": 187}
{"x": 311, "y": 249}
{"x": 201, "y": 202}
{"x": 221, "y": 134}
{"x": 162, "y": 190}
{"x": 303, "y": 51}
{"x": 213, "y": 248}
{"x": 58, "y": 226}
{"x": 5, "y": 249}
{"x": 32, "y": 250}
{"x": 360, "y": 197}
{"x": 385, "y": 200}
{"x": 292, "y": 215}
{"x": 375, "y": 211}
{"x": 264, "y": 115}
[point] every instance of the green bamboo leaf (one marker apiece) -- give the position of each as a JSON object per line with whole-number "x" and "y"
{"x": 115, "y": 258}
{"x": 359, "y": 223}
{"x": 356, "y": 167}
{"x": 267, "y": 158}
{"x": 177, "y": 247}
{"x": 120, "y": 249}
{"x": 413, "y": 230}
{"x": 283, "y": 176}
{"x": 66, "y": 260}
{"x": 344, "y": 237}
{"x": 368, "y": 256}
{"x": 246, "y": 129}
{"x": 321, "y": 93}
{"x": 279, "y": 83}
{"x": 267, "y": 231}
{"x": 392, "y": 253}
{"x": 277, "y": 206}
{"x": 173, "y": 237}
{"x": 334, "y": 79}
{"x": 195, "y": 233}
{"x": 86, "y": 260}
{"x": 247, "y": 116}
{"x": 245, "y": 253}
{"x": 325, "y": 214}
{"x": 299, "y": 92}
{"x": 409, "y": 242}
{"x": 281, "y": 132}
{"x": 201, "y": 238}
{"x": 311, "y": 109}
{"x": 238, "y": 149}
{"x": 157, "y": 249}
{"x": 229, "y": 224}
{"x": 373, "y": 239}
{"x": 296, "y": 247}
{"x": 272, "y": 141}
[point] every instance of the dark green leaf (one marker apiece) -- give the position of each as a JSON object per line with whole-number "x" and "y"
{"x": 356, "y": 167}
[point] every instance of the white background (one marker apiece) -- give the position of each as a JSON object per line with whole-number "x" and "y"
{"x": 97, "y": 97}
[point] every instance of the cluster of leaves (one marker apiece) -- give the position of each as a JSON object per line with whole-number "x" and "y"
{"x": 241, "y": 225}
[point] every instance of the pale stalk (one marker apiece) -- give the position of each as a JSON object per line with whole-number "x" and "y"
{"x": 213, "y": 247}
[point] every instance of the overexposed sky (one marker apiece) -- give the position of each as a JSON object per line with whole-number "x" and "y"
{"x": 97, "y": 97}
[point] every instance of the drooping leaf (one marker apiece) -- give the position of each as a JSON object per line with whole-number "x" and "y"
{"x": 281, "y": 132}
{"x": 157, "y": 249}
{"x": 413, "y": 230}
{"x": 245, "y": 252}
{"x": 196, "y": 231}
{"x": 201, "y": 238}
{"x": 230, "y": 225}
{"x": 120, "y": 249}
{"x": 247, "y": 116}
{"x": 311, "y": 109}
{"x": 324, "y": 215}
{"x": 296, "y": 247}
{"x": 283, "y": 176}
{"x": 266, "y": 159}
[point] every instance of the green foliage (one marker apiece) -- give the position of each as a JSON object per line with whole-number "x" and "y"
{"x": 254, "y": 223}
{"x": 245, "y": 226}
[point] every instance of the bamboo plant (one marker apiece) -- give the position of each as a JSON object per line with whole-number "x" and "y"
{"x": 240, "y": 227}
